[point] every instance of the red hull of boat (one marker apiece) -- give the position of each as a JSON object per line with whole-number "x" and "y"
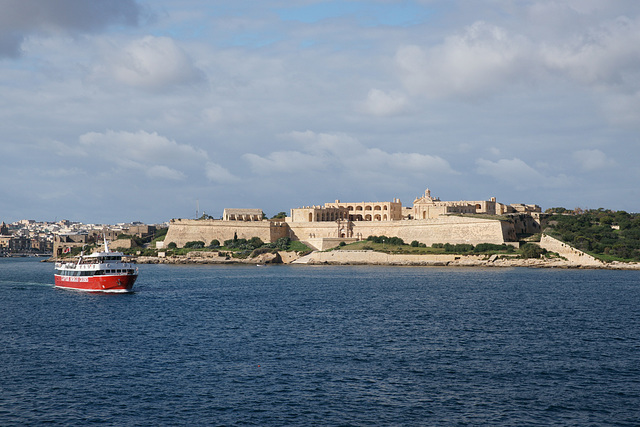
{"x": 121, "y": 283}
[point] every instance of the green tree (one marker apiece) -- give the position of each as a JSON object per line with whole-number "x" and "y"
{"x": 255, "y": 242}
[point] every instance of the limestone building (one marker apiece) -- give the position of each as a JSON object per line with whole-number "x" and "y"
{"x": 242, "y": 215}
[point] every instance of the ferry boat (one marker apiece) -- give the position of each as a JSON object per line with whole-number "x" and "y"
{"x": 99, "y": 272}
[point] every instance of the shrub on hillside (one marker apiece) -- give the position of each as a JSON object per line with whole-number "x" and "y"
{"x": 492, "y": 247}
{"x": 530, "y": 250}
{"x": 388, "y": 240}
{"x": 195, "y": 244}
{"x": 244, "y": 244}
{"x": 458, "y": 248}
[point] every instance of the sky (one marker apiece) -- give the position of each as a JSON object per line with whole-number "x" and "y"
{"x": 140, "y": 110}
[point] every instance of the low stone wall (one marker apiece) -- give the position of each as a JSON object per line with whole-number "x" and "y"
{"x": 322, "y": 244}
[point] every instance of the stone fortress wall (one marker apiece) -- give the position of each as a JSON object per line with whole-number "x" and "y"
{"x": 429, "y": 221}
{"x": 182, "y": 231}
{"x": 446, "y": 229}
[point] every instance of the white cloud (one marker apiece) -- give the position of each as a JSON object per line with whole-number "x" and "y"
{"x": 149, "y": 63}
{"x": 591, "y": 160}
{"x": 217, "y": 173}
{"x": 470, "y": 64}
{"x": 603, "y": 55}
{"x": 165, "y": 172}
{"x": 326, "y": 151}
{"x": 156, "y": 155}
{"x": 284, "y": 161}
{"x": 380, "y": 103}
{"x": 486, "y": 58}
{"x": 141, "y": 146}
{"x": 408, "y": 162}
{"x": 519, "y": 174}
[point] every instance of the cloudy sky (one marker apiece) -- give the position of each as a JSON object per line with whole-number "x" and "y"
{"x": 140, "y": 110}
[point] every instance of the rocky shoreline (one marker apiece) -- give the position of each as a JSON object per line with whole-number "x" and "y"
{"x": 346, "y": 257}
{"x": 377, "y": 258}
{"x": 212, "y": 257}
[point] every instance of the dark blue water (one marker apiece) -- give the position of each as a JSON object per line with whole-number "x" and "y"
{"x": 284, "y": 345}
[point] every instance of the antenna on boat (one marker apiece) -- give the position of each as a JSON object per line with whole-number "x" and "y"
{"x": 104, "y": 236}
{"x": 81, "y": 254}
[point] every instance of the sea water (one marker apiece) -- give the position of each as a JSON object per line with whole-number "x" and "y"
{"x": 322, "y": 345}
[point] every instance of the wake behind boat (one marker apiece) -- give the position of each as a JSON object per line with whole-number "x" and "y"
{"x": 98, "y": 272}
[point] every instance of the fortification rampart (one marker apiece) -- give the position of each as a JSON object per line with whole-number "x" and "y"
{"x": 573, "y": 255}
{"x": 445, "y": 229}
{"x": 182, "y": 231}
